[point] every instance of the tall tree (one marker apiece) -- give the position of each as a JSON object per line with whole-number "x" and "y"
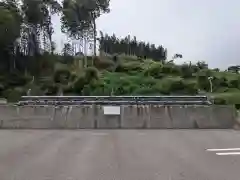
{"x": 37, "y": 20}
{"x": 95, "y": 9}
{"x": 128, "y": 46}
{"x": 79, "y": 17}
{"x": 10, "y": 25}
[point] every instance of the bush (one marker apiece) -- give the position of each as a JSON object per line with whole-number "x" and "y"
{"x": 195, "y": 68}
{"x": 155, "y": 71}
{"x": 62, "y": 76}
{"x": 227, "y": 98}
{"x": 51, "y": 89}
{"x": 36, "y": 91}
{"x": 186, "y": 71}
{"x": 191, "y": 88}
{"x": 91, "y": 73}
{"x": 237, "y": 106}
{"x": 103, "y": 63}
{"x": 128, "y": 67}
{"x": 145, "y": 91}
{"x": 16, "y": 79}
{"x": 220, "y": 101}
{"x": 1, "y": 89}
{"x": 170, "y": 86}
{"x": 218, "y": 83}
{"x": 79, "y": 85}
{"x": 234, "y": 83}
{"x": 171, "y": 69}
{"x": 203, "y": 81}
{"x": 12, "y": 95}
{"x": 177, "y": 86}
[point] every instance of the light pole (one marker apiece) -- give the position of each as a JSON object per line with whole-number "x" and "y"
{"x": 211, "y": 88}
{"x": 210, "y": 82}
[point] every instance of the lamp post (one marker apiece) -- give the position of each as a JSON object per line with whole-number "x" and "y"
{"x": 211, "y": 85}
{"x": 210, "y": 82}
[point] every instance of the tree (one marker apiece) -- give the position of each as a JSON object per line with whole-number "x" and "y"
{"x": 10, "y": 25}
{"x": 129, "y": 46}
{"x": 67, "y": 50}
{"x": 37, "y": 20}
{"x": 234, "y": 69}
{"x": 79, "y": 18}
{"x": 96, "y": 8}
{"x": 177, "y": 56}
{"x": 202, "y": 65}
{"x": 10, "y": 22}
{"x": 74, "y": 19}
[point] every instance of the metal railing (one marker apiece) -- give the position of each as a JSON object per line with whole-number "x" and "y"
{"x": 114, "y": 100}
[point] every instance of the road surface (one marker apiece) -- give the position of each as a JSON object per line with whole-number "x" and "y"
{"x": 119, "y": 155}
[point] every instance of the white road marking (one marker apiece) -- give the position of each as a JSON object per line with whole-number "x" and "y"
{"x": 227, "y": 149}
{"x": 228, "y": 153}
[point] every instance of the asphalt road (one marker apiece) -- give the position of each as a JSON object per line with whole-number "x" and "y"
{"x": 118, "y": 155}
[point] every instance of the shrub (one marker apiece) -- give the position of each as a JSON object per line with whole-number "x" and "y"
{"x": 195, "y": 68}
{"x": 186, "y": 71}
{"x": 237, "y": 106}
{"x": 51, "y": 89}
{"x": 128, "y": 67}
{"x": 36, "y": 90}
{"x": 202, "y": 79}
{"x": 191, "y": 88}
{"x": 154, "y": 70}
{"x": 177, "y": 86}
{"x": 62, "y": 76}
{"x": 218, "y": 83}
{"x": 202, "y": 65}
{"x": 12, "y": 95}
{"x": 91, "y": 73}
{"x": 1, "y": 89}
{"x": 227, "y": 98}
{"x": 16, "y": 79}
{"x": 171, "y": 69}
{"x": 145, "y": 91}
{"x": 103, "y": 63}
{"x": 234, "y": 83}
{"x": 79, "y": 85}
{"x": 220, "y": 101}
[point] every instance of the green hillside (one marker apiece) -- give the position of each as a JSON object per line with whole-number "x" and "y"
{"x": 128, "y": 75}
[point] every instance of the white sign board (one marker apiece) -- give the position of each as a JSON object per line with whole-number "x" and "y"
{"x": 111, "y": 110}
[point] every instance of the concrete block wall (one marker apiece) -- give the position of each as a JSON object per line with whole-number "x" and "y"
{"x": 131, "y": 117}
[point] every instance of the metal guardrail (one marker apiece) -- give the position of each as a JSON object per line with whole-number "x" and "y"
{"x": 114, "y": 100}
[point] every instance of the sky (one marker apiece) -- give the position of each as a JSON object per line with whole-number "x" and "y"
{"x": 199, "y": 30}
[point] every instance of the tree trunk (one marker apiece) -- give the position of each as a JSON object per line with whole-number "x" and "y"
{"x": 94, "y": 37}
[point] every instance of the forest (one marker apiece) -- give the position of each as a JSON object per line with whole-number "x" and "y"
{"x": 30, "y": 64}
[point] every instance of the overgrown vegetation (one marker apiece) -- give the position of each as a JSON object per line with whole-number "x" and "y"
{"x": 30, "y": 65}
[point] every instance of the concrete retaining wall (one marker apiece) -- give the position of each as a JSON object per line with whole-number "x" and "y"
{"x": 159, "y": 117}
{"x": 131, "y": 117}
{"x": 134, "y": 116}
{"x": 106, "y": 121}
